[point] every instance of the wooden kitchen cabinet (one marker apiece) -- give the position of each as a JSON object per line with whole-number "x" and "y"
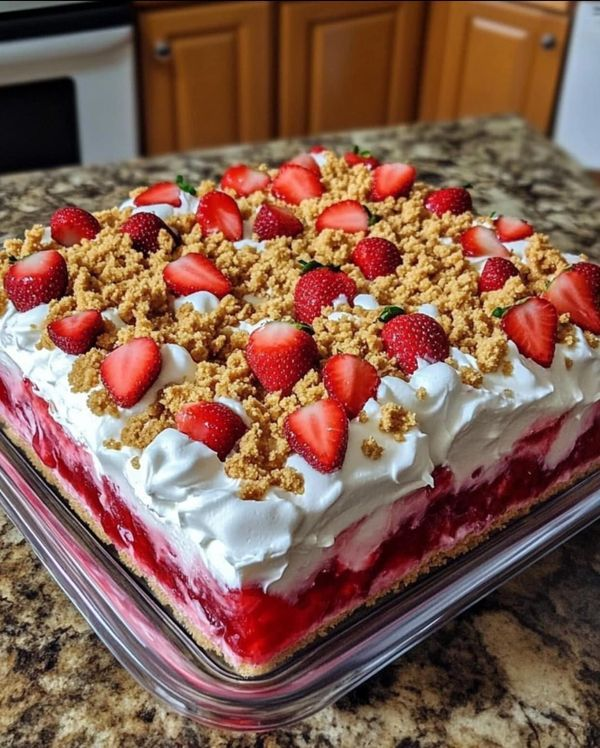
{"x": 348, "y": 64}
{"x": 492, "y": 58}
{"x": 207, "y": 74}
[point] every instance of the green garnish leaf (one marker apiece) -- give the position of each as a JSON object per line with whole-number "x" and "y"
{"x": 304, "y": 327}
{"x": 389, "y": 312}
{"x": 361, "y": 151}
{"x": 184, "y": 185}
{"x": 494, "y": 214}
{"x": 468, "y": 186}
{"x": 373, "y": 217}
{"x": 307, "y": 266}
{"x": 498, "y": 312}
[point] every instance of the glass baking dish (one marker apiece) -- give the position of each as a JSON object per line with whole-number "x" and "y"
{"x": 166, "y": 661}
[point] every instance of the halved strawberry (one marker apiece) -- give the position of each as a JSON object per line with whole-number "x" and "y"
{"x": 76, "y": 333}
{"x": 272, "y": 221}
{"x": 36, "y": 279}
{"x": 351, "y": 381}
{"x": 244, "y": 181}
{"x": 195, "y": 272}
{"x": 573, "y": 293}
{"x": 161, "y": 193}
{"x": 376, "y": 256}
{"x": 279, "y": 354}
{"x": 410, "y": 337}
{"x": 317, "y": 148}
{"x": 307, "y": 161}
{"x": 358, "y": 156}
{"x": 348, "y": 215}
{"x": 495, "y": 273}
{"x": 218, "y": 211}
{"x": 70, "y": 225}
{"x": 144, "y": 228}
{"x": 512, "y": 229}
{"x": 455, "y": 200}
{"x": 479, "y": 241}
{"x": 319, "y": 433}
{"x": 294, "y": 184}
{"x": 213, "y": 424}
{"x": 130, "y": 370}
{"x": 591, "y": 272}
{"x": 319, "y": 288}
{"x": 532, "y": 325}
{"x": 392, "y": 180}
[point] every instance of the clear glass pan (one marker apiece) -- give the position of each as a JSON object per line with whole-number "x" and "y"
{"x": 162, "y": 657}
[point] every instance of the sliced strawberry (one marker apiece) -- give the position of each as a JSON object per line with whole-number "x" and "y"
{"x": 76, "y": 333}
{"x": 358, "y": 156}
{"x": 213, "y": 424}
{"x": 195, "y": 272}
{"x": 319, "y": 433}
{"x": 280, "y": 354}
{"x": 218, "y": 211}
{"x": 376, "y": 256}
{"x": 144, "y": 228}
{"x": 455, "y": 200}
{"x": 392, "y": 180}
{"x": 410, "y": 337}
{"x": 348, "y": 215}
{"x": 512, "y": 229}
{"x": 272, "y": 221}
{"x": 573, "y": 293}
{"x": 294, "y": 184}
{"x": 317, "y": 148}
{"x": 244, "y": 181}
{"x": 319, "y": 288}
{"x": 70, "y": 225}
{"x": 592, "y": 273}
{"x": 479, "y": 241}
{"x": 130, "y": 370}
{"x": 351, "y": 381}
{"x": 161, "y": 193}
{"x": 36, "y": 279}
{"x": 495, "y": 273}
{"x": 307, "y": 161}
{"x": 531, "y": 325}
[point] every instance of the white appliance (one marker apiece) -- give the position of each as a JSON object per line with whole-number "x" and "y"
{"x": 577, "y": 124}
{"x": 67, "y": 84}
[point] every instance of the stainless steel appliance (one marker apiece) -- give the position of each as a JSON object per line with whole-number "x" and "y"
{"x": 67, "y": 84}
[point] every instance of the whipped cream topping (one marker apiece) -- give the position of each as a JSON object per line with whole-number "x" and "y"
{"x": 189, "y": 204}
{"x": 280, "y": 541}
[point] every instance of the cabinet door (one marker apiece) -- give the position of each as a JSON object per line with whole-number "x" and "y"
{"x": 206, "y": 75}
{"x": 492, "y": 58}
{"x": 348, "y": 64}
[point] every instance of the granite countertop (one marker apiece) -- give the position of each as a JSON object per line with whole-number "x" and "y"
{"x": 521, "y": 668}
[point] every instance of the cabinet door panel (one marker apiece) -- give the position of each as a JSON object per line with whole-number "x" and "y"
{"x": 351, "y": 64}
{"x": 204, "y": 114}
{"x": 502, "y": 51}
{"x": 488, "y": 58}
{"x": 212, "y": 84}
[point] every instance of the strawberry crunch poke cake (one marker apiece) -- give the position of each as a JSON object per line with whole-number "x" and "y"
{"x": 282, "y": 396}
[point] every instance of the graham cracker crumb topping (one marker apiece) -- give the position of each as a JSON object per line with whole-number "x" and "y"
{"x": 109, "y": 273}
{"x": 371, "y": 448}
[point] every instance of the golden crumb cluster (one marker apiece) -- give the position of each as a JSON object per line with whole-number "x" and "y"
{"x": 109, "y": 273}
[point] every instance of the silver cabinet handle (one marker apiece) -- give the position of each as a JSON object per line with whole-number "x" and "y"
{"x": 162, "y": 50}
{"x": 548, "y": 41}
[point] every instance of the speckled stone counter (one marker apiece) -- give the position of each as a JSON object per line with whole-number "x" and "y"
{"x": 522, "y": 668}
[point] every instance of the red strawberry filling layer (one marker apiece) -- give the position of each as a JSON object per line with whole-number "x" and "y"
{"x": 252, "y": 626}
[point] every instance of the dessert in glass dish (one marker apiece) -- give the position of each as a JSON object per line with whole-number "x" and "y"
{"x": 284, "y": 395}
